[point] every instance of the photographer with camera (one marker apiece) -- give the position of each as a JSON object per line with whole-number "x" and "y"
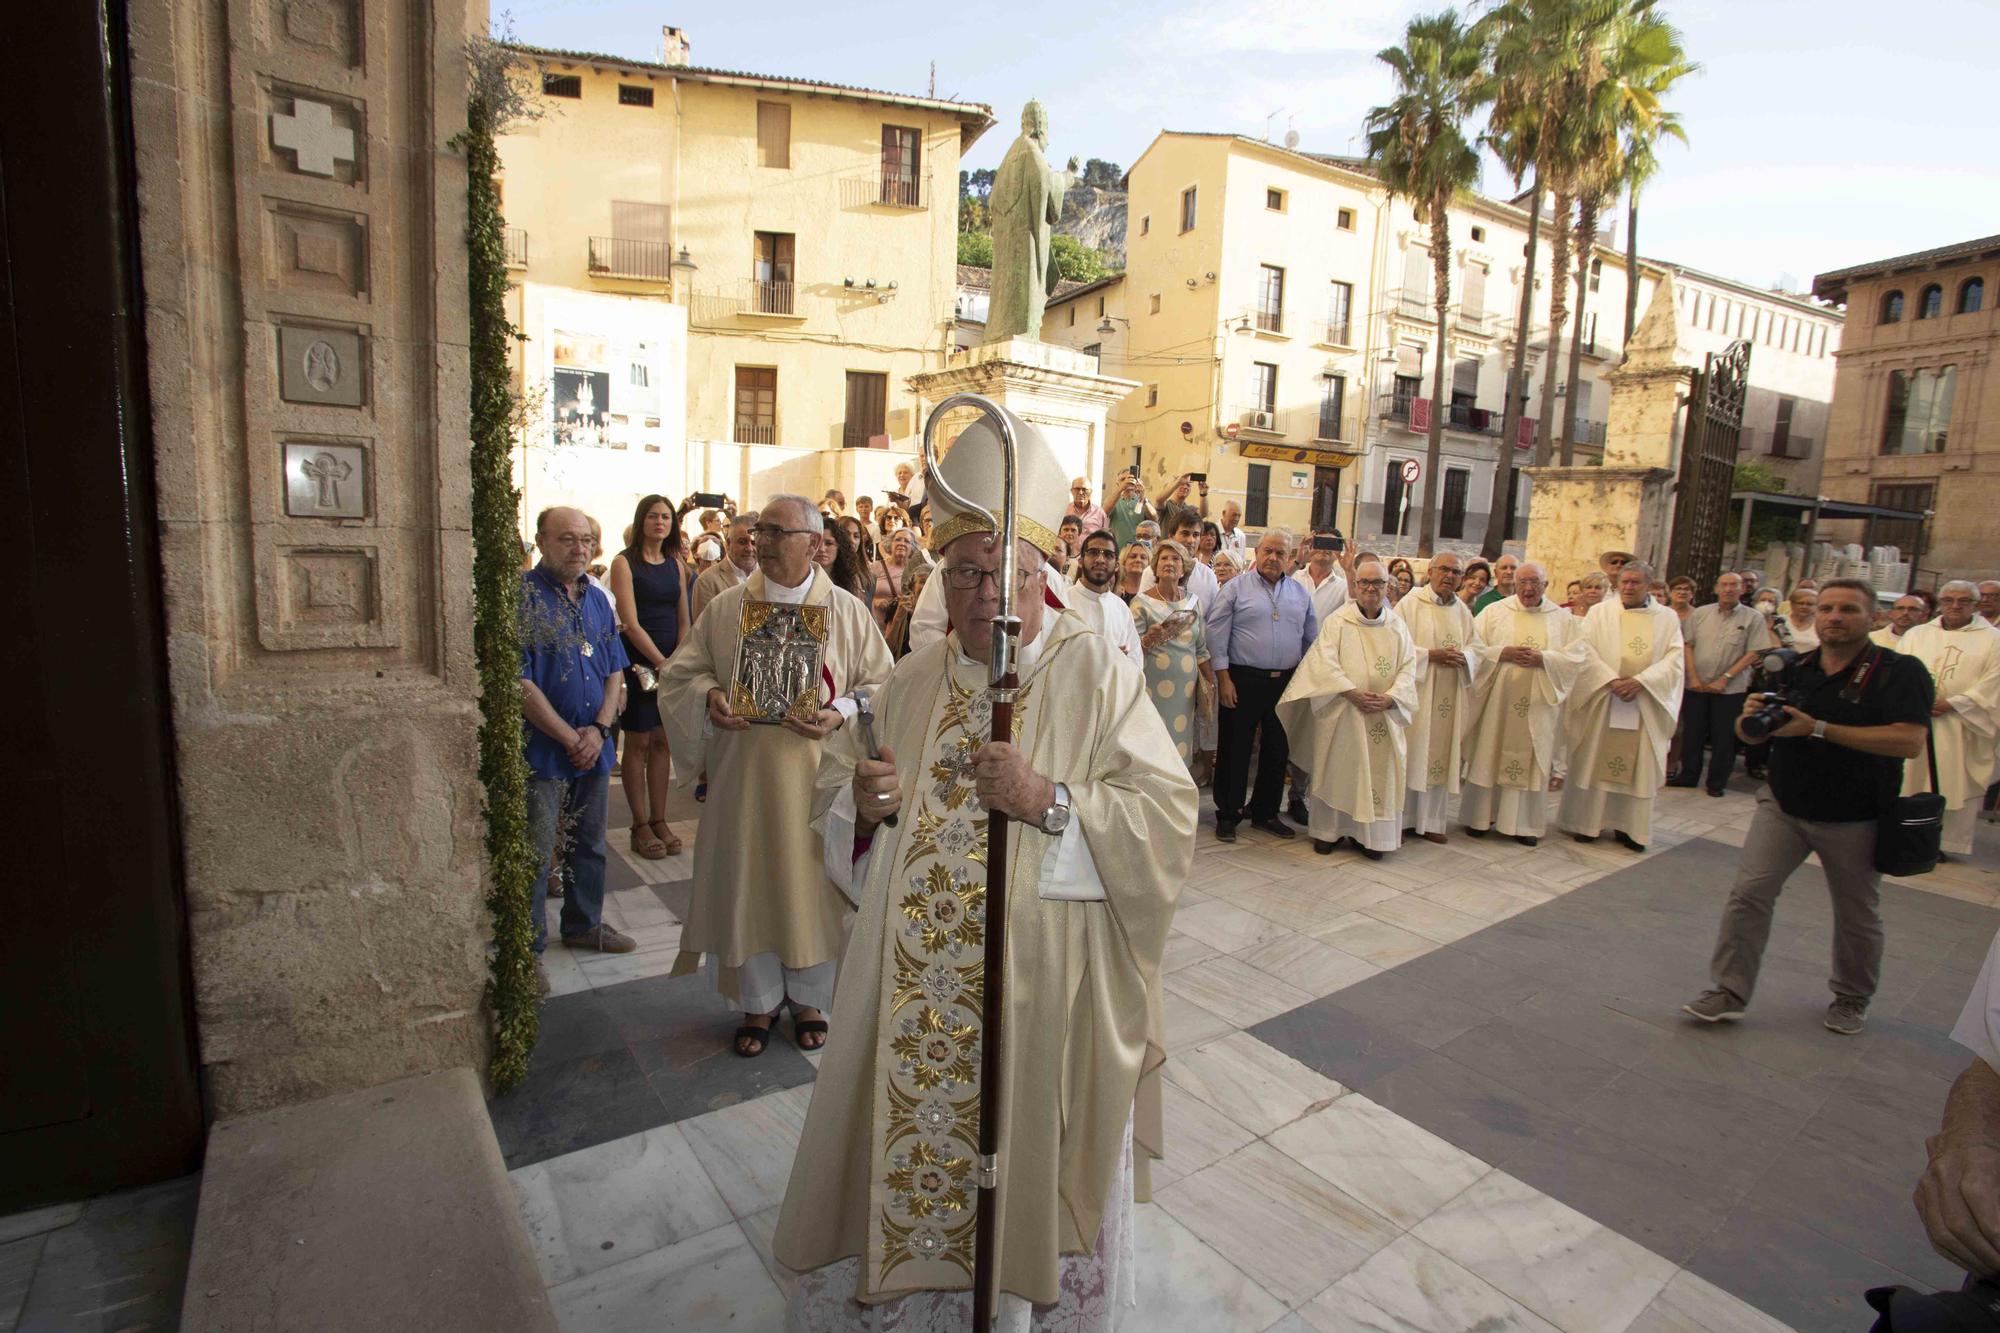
{"x": 1843, "y": 718}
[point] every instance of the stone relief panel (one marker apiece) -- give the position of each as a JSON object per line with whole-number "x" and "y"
{"x": 324, "y": 596}
{"x": 326, "y": 480}
{"x": 321, "y": 29}
{"x": 315, "y": 250}
{"x": 315, "y": 134}
{"x": 322, "y": 365}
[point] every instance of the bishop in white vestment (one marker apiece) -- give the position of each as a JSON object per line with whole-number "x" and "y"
{"x": 1442, "y": 629}
{"x": 1963, "y": 654}
{"x": 879, "y": 1217}
{"x": 1529, "y": 658}
{"x": 1346, "y": 713}
{"x": 1622, "y": 713}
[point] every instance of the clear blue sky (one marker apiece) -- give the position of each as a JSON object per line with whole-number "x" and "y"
{"x": 1823, "y": 132}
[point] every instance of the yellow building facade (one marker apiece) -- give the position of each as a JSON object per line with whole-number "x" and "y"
{"x": 780, "y": 252}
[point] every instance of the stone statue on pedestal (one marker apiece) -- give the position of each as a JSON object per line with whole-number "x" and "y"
{"x": 1027, "y": 199}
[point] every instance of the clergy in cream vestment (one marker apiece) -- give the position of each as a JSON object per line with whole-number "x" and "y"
{"x": 1962, "y": 652}
{"x": 879, "y": 1216}
{"x": 1529, "y": 659}
{"x": 1347, "y": 711}
{"x": 1441, "y": 627}
{"x": 762, "y": 909}
{"x": 1622, "y": 712}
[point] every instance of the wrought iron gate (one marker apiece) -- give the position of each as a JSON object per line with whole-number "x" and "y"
{"x": 1708, "y": 465}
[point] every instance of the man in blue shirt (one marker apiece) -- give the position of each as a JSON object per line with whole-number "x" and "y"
{"x": 572, "y": 685}
{"x": 1261, "y": 624}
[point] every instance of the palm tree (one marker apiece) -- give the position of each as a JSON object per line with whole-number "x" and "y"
{"x": 1419, "y": 147}
{"x": 1641, "y": 163}
{"x": 1514, "y": 145}
{"x": 1638, "y": 58}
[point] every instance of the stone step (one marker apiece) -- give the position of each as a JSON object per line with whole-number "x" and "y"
{"x": 388, "y": 1207}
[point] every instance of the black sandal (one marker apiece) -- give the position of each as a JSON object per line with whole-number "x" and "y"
{"x": 760, "y": 1035}
{"x": 804, "y": 1026}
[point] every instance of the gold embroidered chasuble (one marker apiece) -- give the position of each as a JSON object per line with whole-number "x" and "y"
{"x": 1644, "y": 644}
{"x": 1965, "y": 668}
{"x": 885, "y": 1164}
{"x": 1515, "y": 733}
{"x": 1357, "y": 761}
{"x": 766, "y": 893}
{"x": 1436, "y": 739}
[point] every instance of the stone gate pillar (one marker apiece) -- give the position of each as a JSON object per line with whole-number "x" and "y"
{"x": 1579, "y": 512}
{"x": 304, "y": 266}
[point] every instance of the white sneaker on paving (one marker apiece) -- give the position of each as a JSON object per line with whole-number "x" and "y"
{"x": 1714, "y": 1006}
{"x": 1846, "y": 1015}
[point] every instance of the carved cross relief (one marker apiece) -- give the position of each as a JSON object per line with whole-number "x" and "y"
{"x": 315, "y": 142}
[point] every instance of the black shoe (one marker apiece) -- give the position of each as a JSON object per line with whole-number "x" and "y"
{"x": 1579, "y": 837}
{"x": 1527, "y": 841}
{"x": 1323, "y": 847}
{"x": 1277, "y": 828}
{"x": 1297, "y": 810}
{"x": 1625, "y": 841}
{"x": 1683, "y": 782}
{"x": 1225, "y": 830}
{"x": 1716, "y": 791}
{"x": 1368, "y": 852}
{"x": 1472, "y": 832}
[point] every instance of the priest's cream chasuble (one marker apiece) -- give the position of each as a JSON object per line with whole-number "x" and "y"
{"x": 884, "y": 1170}
{"x": 1965, "y": 668}
{"x": 1645, "y": 645}
{"x": 759, "y": 883}
{"x": 1515, "y": 734}
{"x": 1436, "y": 737}
{"x": 1357, "y": 761}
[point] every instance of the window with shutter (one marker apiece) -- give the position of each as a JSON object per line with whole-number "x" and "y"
{"x": 771, "y": 273}
{"x": 1472, "y": 294}
{"x": 867, "y": 408}
{"x": 756, "y": 404}
{"x": 901, "y": 149}
{"x": 774, "y": 135}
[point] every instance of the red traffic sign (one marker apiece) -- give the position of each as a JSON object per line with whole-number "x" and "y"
{"x": 1412, "y": 469}
{"x": 1231, "y": 430}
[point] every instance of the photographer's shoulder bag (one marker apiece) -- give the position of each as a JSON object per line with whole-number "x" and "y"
{"x": 1911, "y": 835}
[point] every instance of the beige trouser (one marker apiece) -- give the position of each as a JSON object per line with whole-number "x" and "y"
{"x": 1776, "y": 845}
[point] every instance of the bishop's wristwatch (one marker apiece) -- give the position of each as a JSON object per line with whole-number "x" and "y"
{"x": 1056, "y": 818}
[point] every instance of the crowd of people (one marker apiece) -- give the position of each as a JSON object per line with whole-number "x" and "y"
{"x": 1307, "y": 683}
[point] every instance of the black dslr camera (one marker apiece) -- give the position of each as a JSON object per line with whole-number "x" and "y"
{"x": 1758, "y": 726}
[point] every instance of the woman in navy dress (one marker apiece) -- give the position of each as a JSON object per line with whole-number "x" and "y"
{"x": 650, "y": 582}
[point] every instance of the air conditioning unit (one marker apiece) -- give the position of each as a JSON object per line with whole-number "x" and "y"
{"x": 1260, "y": 420}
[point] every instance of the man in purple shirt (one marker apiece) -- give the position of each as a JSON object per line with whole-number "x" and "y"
{"x": 1259, "y": 626}
{"x": 572, "y": 685}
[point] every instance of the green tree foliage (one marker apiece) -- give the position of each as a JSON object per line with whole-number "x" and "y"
{"x": 1075, "y": 261}
{"x": 975, "y": 248}
{"x": 1422, "y": 147}
{"x": 1766, "y": 525}
{"x": 1102, "y": 175}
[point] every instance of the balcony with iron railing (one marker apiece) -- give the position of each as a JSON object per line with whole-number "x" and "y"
{"x": 1268, "y": 321}
{"x": 883, "y": 189}
{"x": 1255, "y": 420}
{"x": 620, "y": 257}
{"x": 1415, "y": 305}
{"x": 863, "y": 435}
{"x": 517, "y": 247}
{"x": 1332, "y": 333}
{"x": 753, "y": 432}
{"x": 1461, "y": 417}
{"x": 1477, "y": 322}
{"x": 1587, "y": 432}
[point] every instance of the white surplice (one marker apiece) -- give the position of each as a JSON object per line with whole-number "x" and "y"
{"x": 1437, "y": 730}
{"x": 1618, "y": 748}
{"x": 1965, "y": 668}
{"x": 1514, "y": 737}
{"x": 1355, "y": 761}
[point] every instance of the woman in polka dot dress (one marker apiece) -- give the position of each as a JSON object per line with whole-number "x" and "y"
{"x": 1176, "y": 646}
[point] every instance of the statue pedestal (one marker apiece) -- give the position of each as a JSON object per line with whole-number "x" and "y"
{"x": 1056, "y": 388}
{"x": 1578, "y": 513}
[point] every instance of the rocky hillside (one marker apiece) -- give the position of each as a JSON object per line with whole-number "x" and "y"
{"x": 1096, "y": 218}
